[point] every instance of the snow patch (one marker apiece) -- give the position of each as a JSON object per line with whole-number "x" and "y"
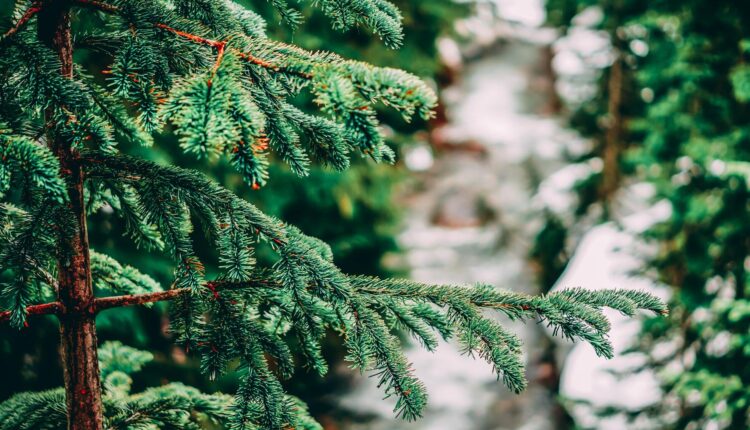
{"x": 603, "y": 260}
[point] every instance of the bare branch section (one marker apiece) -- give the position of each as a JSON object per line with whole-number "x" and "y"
{"x": 105, "y": 303}
{"x": 53, "y": 308}
{"x": 25, "y": 18}
{"x": 98, "y": 5}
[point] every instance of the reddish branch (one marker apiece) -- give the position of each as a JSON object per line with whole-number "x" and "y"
{"x": 44, "y": 309}
{"x": 104, "y": 303}
{"x": 191, "y": 37}
{"x": 219, "y": 56}
{"x": 263, "y": 63}
{"x": 137, "y": 299}
{"x": 219, "y": 45}
{"x": 30, "y": 12}
{"x": 99, "y": 5}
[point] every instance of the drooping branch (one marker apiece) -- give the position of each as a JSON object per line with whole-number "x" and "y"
{"x": 53, "y": 308}
{"x": 25, "y": 18}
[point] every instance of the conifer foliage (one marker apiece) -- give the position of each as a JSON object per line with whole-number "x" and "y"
{"x": 168, "y": 406}
{"x": 203, "y": 70}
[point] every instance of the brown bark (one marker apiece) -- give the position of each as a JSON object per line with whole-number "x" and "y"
{"x": 77, "y": 325}
{"x": 43, "y": 309}
{"x": 613, "y": 145}
{"x": 105, "y": 303}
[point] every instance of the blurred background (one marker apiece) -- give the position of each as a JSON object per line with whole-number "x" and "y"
{"x": 591, "y": 143}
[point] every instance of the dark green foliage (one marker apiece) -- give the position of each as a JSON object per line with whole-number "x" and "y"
{"x": 173, "y": 406}
{"x": 31, "y": 165}
{"x": 44, "y": 411}
{"x": 549, "y": 251}
{"x": 27, "y": 241}
{"x": 195, "y": 69}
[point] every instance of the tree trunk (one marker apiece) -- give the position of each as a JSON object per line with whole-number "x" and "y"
{"x": 77, "y": 325}
{"x": 613, "y": 145}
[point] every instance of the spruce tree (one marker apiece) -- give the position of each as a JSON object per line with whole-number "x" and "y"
{"x": 204, "y": 71}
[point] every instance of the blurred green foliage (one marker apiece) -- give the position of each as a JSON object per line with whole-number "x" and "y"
{"x": 687, "y": 126}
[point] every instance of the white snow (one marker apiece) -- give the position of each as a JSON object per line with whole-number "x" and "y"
{"x": 604, "y": 259}
{"x": 418, "y": 158}
{"x": 450, "y": 53}
{"x": 580, "y": 56}
{"x": 529, "y": 13}
{"x": 556, "y": 192}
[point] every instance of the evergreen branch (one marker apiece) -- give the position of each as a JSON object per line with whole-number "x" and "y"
{"x": 105, "y": 7}
{"x": 109, "y": 276}
{"x": 219, "y": 45}
{"x": 35, "y": 8}
{"x": 192, "y": 37}
{"x": 36, "y": 163}
{"x": 202, "y": 191}
{"x": 27, "y": 244}
{"x": 53, "y": 308}
{"x": 104, "y": 303}
{"x": 34, "y": 410}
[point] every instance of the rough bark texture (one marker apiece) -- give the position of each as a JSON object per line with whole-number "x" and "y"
{"x": 77, "y": 326}
{"x": 53, "y": 308}
{"x": 105, "y": 303}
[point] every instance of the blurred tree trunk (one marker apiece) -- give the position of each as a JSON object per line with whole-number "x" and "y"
{"x": 613, "y": 137}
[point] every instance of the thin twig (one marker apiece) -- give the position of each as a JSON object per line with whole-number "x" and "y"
{"x": 43, "y": 274}
{"x": 25, "y": 18}
{"x": 104, "y": 7}
{"x": 53, "y": 308}
{"x": 216, "y": 287}
{"x": 190, "y": 36}
{"x": 104, "y": 303}
{"x": 221, "y": 44}
{"x": 218, "y": 44}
